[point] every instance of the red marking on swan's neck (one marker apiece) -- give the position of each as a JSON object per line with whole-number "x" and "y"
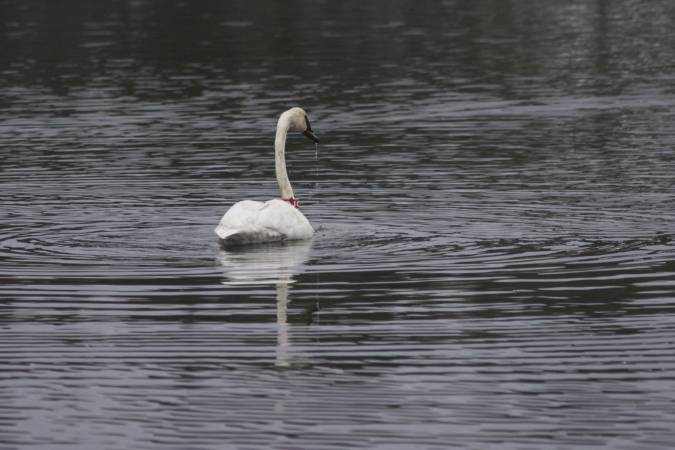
{"x": 295, "y": 203}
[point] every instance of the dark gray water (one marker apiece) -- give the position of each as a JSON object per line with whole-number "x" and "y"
{"x": 495, "y": 202}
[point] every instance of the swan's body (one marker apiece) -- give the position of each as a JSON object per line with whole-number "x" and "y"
{"x": 250, "y": 221}
{"x": 275, "y": 220}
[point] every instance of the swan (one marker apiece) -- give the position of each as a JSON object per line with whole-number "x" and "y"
{"x": 251, "y": 221}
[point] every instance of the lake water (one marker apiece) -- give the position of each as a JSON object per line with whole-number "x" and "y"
{"x": 494, "y": 195}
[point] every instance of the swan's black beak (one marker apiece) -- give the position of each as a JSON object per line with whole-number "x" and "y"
{"x": 310, "y": 134}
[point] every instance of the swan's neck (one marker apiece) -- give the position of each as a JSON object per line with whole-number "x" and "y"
{"x": 280, "y": 160}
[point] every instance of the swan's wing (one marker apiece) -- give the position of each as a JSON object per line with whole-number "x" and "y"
{"x": 241, "y": 215}
{"x": 281, "y": 217}
{"x": 242, "y": 224}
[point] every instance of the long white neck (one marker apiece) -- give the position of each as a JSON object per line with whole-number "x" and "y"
{"x": 280, "y": 159}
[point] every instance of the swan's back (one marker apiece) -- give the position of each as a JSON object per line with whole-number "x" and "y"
{"x": 275, "y": 220}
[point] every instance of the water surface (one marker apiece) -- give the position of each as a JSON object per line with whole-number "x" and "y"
{"x": 494, "y": 265}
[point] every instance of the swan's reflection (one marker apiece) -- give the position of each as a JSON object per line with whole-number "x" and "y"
{"x": 269, "y": 264}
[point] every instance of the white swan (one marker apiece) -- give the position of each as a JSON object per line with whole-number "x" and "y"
{"x": 249, "y": 221}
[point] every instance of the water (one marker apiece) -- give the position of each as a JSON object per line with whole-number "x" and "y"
{"x": 494, "y": 265}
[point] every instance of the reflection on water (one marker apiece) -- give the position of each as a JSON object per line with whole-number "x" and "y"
{"x": 494, "y": 260}
{"x": 265, "y": 263}
{"x": 269, "y": 263}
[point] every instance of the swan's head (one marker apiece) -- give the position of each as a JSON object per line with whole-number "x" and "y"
{"x": 298, "y": 121}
